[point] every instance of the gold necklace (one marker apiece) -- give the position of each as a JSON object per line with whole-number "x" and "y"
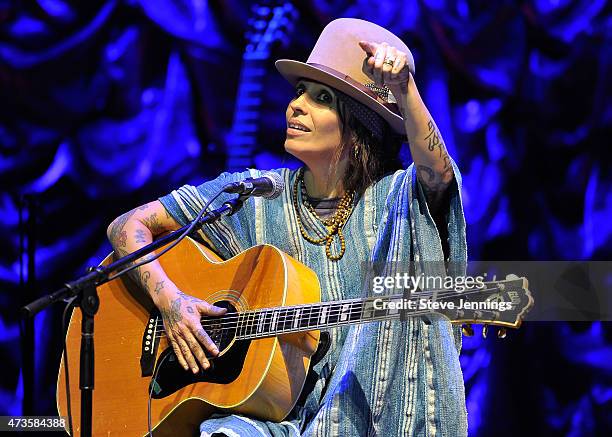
{"x": 334, "y": 224}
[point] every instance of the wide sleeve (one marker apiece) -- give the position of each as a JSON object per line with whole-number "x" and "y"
{"x": 428, "y": 246}
{"x": 229, "y": 235}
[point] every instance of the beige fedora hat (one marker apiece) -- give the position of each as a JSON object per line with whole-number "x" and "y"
{"x": 336, "y": 60}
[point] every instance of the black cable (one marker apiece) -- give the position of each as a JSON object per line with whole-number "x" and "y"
{"x": 177, "y": 241}
{"x": 69, "y": 305}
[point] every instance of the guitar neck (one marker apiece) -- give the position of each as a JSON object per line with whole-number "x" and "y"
{"x": 270, "y": 322}
{"x": 269, "y": 27}
{"x": 243, "y": 134}
{"x": 503, "y": 303}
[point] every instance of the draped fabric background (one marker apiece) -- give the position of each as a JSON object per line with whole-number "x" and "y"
{"x": 106, "y": 105}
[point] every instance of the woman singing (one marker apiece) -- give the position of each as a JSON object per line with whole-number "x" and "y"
{"x": 355, "y": 102}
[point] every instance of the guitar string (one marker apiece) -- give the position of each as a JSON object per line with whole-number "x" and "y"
{"x": 330, "y": 325}
{"x": 331, "y": 305}
{"x": 249, "y": 323}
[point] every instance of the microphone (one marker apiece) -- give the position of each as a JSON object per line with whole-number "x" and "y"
{"x": 269, "y": 186}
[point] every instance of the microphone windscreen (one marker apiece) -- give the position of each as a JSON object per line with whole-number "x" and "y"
{"x": 278, "y": 185}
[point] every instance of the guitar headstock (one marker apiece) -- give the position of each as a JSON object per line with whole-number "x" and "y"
{"x": 503, "y": 303}
{"x": 271, "y": 23}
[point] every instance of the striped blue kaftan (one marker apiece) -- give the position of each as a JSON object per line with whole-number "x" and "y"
{"x": 391, "y": 378}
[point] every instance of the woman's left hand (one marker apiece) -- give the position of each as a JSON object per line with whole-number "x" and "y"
{"x": 385, "y": 64}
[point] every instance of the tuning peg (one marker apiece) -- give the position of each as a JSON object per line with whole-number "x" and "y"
{"x": 485, "y": 330}
{"x": 467, "y": 330}
{"x": 501, "y": 333}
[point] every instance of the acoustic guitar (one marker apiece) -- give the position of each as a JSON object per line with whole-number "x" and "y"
{"x": 266, "y": 339}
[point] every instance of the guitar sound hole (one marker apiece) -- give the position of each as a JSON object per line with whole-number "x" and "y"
{"x": 222, "y": 329}
{"x": 224, "y": 369}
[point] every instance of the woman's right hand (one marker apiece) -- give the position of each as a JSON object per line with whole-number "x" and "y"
{"x": 181, "y": 314}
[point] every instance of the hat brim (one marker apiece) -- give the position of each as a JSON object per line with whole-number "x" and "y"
{"x": 293, "y": 71}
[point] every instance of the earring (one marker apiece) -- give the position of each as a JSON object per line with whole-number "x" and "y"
{"x": 356, "y": 151}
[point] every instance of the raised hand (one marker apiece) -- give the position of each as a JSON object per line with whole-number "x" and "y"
{"x": 181, "y": 314}
{"x": 385, "y": 64}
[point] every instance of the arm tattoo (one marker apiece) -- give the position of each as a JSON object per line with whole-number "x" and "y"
{"x": 139, "y": 275}
{"x": 435, "y": 182}
{"x": 117, "y": 235}
{"x": 434, "y": 141}
{"x": 152, "y": 222}
{"x": 140, "y": 236}
{"x": 433, "y": 138}
{"x": 144, "y": 278}
{"x": 159, "y": 286}
{"x": 434, "y": 187}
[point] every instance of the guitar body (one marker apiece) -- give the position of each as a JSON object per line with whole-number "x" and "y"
{"x": 260, "y": 377}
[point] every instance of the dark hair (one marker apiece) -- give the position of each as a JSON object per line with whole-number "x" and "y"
{"x": 369, "y": 157}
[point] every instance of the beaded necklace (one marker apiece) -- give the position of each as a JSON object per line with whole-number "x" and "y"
{"x": 334, "y": 224}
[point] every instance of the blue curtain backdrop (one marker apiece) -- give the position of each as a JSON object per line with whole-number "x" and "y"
{"x": 106, "y": 105}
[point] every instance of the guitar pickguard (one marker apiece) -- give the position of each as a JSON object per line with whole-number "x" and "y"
{"x": 223, "y": 370}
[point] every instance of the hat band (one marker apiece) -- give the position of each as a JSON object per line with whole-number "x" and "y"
{"x": 361, "y": 87}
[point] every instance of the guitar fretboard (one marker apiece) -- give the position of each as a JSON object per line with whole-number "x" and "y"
{"x": 283, "y": 320}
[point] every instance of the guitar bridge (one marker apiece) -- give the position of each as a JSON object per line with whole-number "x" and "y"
{"x": 150, "y": 342}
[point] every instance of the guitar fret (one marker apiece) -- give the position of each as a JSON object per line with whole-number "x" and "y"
{"x": 343, "y": 312}
{"x": 323, "y": 316}
{"x": 273, "y": 323}
{"x": 260, "y": 322}
{"x": 334, "y": 314}
{"x": 296, "y": 319}
{"x": 251, "y": 325}
{"x": 305, "y": 323}
{"x": 288, "y": 317}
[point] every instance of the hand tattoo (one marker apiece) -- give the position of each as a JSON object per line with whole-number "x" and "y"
{"x": 173, "y": 315}
{"x": 188, "y": 297}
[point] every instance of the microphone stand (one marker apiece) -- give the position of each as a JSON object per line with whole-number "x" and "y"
{"x": 87, "y": 298}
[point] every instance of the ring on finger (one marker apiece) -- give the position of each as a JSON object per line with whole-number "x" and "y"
{"x": 389, "y": 61}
